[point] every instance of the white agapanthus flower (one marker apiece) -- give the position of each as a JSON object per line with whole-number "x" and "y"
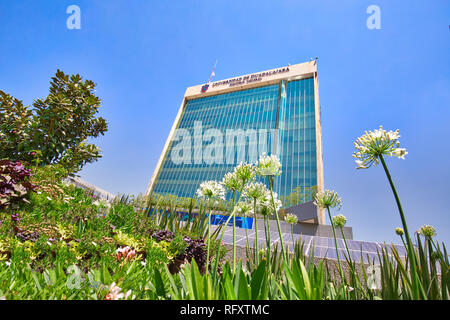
{"x": 267, "y": 206}
{"x": 427, "y": 231}
{"x": 400, "y": 153}
{"x": 254, "y": 190}
{"x": 339, "y": 221}
{"x": 268, "y": 165}
{"x": 231, "y": 181}
{"x": 244, "y": 208}
{"x": 291, "y": 218}
{"x": 244, "y": 173}
{"x": 373, "y": 144}
{"x": 327, "y": 199}
{"x": 211, "y": 190}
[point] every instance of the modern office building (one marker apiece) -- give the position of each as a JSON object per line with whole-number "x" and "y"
{"x": 222, "y": 123}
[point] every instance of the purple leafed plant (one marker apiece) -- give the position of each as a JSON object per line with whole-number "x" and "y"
{"x": 165, "y": 235}
{"x": 14, "y": 182}
{"x": 196, "y": 250}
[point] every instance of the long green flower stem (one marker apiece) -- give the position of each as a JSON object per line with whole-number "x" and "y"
{"x": 233, "y": 212}
{"x": 404, "y": 243}
{"x": 278, "y": 219}
{"x": 292, "y": 234}
{"x": 234, "y": 233}
{"x": 335, "y": 243}
{"x": 256, "y": 230}
{"x": 434, "y": 284}
{"x": 352, "y": 266}
{"x": 246, "y": 232}
{"x": 345, "y": 242}
{"x": 209, "y": 234}
{"x": 267, "y": 233}
{"x": 415, "y": 280}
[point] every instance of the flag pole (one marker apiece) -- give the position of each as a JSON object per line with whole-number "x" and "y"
{"x": 212, "y": 73}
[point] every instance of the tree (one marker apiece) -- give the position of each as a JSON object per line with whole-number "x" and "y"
{"x": 298, "y": 195}
{"x": 55, "y": 129}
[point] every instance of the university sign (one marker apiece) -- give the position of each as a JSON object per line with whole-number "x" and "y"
{"x": 256, "y": 77}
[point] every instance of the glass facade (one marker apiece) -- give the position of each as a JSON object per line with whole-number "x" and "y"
{"x": 217, "y": 132}
{"x": 298, "y": 143}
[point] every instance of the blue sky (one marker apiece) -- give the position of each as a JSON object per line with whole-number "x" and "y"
{"x": 143, "y": 55}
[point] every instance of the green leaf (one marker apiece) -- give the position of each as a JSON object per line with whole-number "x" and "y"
{"x": 243, "y": 290}
{"x": 36, "y": 281}
{"x": 159, "y": 284}
{"x": 258, "y": 280}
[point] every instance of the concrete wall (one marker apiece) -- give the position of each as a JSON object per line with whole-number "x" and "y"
{"x": 310, "y": 229}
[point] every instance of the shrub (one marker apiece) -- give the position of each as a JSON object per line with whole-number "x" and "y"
{"x": 49, "y": 178}
{"x": 178, "y": 246}
{"x": 54, "y": 129}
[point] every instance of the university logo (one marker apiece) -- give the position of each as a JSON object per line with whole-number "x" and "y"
{"x": 205, "y": 87}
